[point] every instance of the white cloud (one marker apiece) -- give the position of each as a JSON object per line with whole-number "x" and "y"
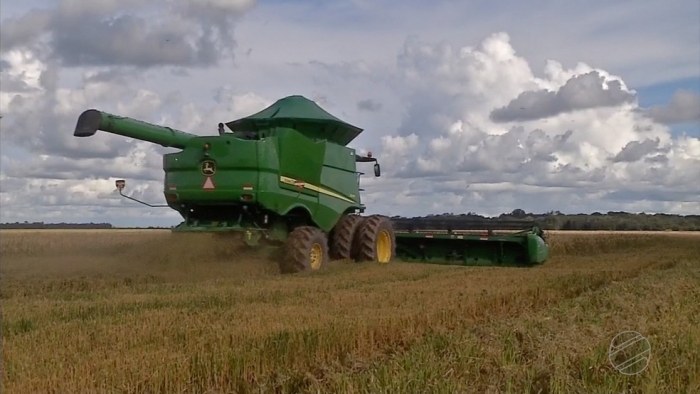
{"x": 446, "y": 135}
{"x": 426, "y": 106}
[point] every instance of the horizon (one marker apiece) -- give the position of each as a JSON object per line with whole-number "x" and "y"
{"x": 615, "y": 221}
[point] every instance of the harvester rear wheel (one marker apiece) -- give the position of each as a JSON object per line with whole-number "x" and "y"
{"x": 343, "y": 235}
{"x": 305, "y": 249}
{"x": 376, "y": 240}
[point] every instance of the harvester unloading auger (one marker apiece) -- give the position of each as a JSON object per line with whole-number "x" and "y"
{"x": 285, "y": 177}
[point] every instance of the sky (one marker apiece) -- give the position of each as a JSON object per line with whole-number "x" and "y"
{"x": 470, "y": 106}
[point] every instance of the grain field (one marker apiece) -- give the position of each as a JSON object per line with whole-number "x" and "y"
{"x": 142, "y": 312}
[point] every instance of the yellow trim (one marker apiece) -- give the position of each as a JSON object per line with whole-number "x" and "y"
{"x": 383, "y": 247}
{"x": 292, "y": 181}
{"x": 316, "y": 256}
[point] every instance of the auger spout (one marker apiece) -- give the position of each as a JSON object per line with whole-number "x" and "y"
{"x": 92, "y": 120}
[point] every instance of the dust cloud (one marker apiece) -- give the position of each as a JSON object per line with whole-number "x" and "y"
{"x": 159, "y": 255}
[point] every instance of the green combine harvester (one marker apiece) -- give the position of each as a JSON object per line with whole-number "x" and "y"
{"x": 285, "y": 177}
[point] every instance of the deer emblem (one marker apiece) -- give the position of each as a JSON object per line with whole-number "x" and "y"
{"x": 208, "y": 168}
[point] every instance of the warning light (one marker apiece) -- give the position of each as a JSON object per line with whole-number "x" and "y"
{"x": 369, "y": 154}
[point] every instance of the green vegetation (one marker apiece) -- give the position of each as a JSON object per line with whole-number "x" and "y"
{"x": 596, "y": 221}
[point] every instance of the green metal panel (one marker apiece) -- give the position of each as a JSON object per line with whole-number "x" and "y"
{"x": 470, "y": 241}
{"x": 271, "y": 166}
{"x": 301, "y": 114}
{"x": 340, "y": 185}
{"x": 537, "y": 249}
{"x": 339, "y": 172}
{"x": 301, "y": 159}
{"x": 521, "y": 249}
{"x": 237, "y": 166}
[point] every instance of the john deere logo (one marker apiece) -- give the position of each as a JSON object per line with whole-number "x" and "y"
{"x": 208, "y": 168}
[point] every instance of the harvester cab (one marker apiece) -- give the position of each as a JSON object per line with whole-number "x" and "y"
{"x": 283, "y": 176}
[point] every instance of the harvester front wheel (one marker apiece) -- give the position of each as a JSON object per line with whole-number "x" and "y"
{"x": 376, "y": 240}
{"x": 343, "y": 235}
{"x": 305, "y": 249}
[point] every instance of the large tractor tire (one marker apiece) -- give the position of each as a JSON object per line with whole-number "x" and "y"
{"x": 376, "y": 240}
{"x": 343, "y": 235}
{"x": 306, "y": 249}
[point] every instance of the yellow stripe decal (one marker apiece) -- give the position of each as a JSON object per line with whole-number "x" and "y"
{"x": 291, "y": 181}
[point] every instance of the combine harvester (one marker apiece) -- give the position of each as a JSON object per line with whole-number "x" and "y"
{"x": 285, "y": 177}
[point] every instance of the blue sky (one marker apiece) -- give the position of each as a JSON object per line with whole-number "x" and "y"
{"x": 433, "y": 72}
{"x": 659, "y": 94}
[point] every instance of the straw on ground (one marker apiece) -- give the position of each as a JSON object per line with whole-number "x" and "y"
{"x": 133, "y": 311}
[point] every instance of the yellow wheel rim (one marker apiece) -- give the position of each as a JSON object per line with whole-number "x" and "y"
{"x": 384, "y": 247}
{"x": 316, "y": 256}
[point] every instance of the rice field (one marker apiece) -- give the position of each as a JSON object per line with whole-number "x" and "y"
{"x": 136, "y": 311}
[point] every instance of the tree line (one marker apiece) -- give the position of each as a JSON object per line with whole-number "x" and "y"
{"x": 610, "y": 221}
{"x": 554, "y": 220}
{"x": 58, "y": 226}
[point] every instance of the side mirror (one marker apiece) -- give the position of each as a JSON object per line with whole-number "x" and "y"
{"x": 377, "y": 170}
{"x": 120, "y": 184}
